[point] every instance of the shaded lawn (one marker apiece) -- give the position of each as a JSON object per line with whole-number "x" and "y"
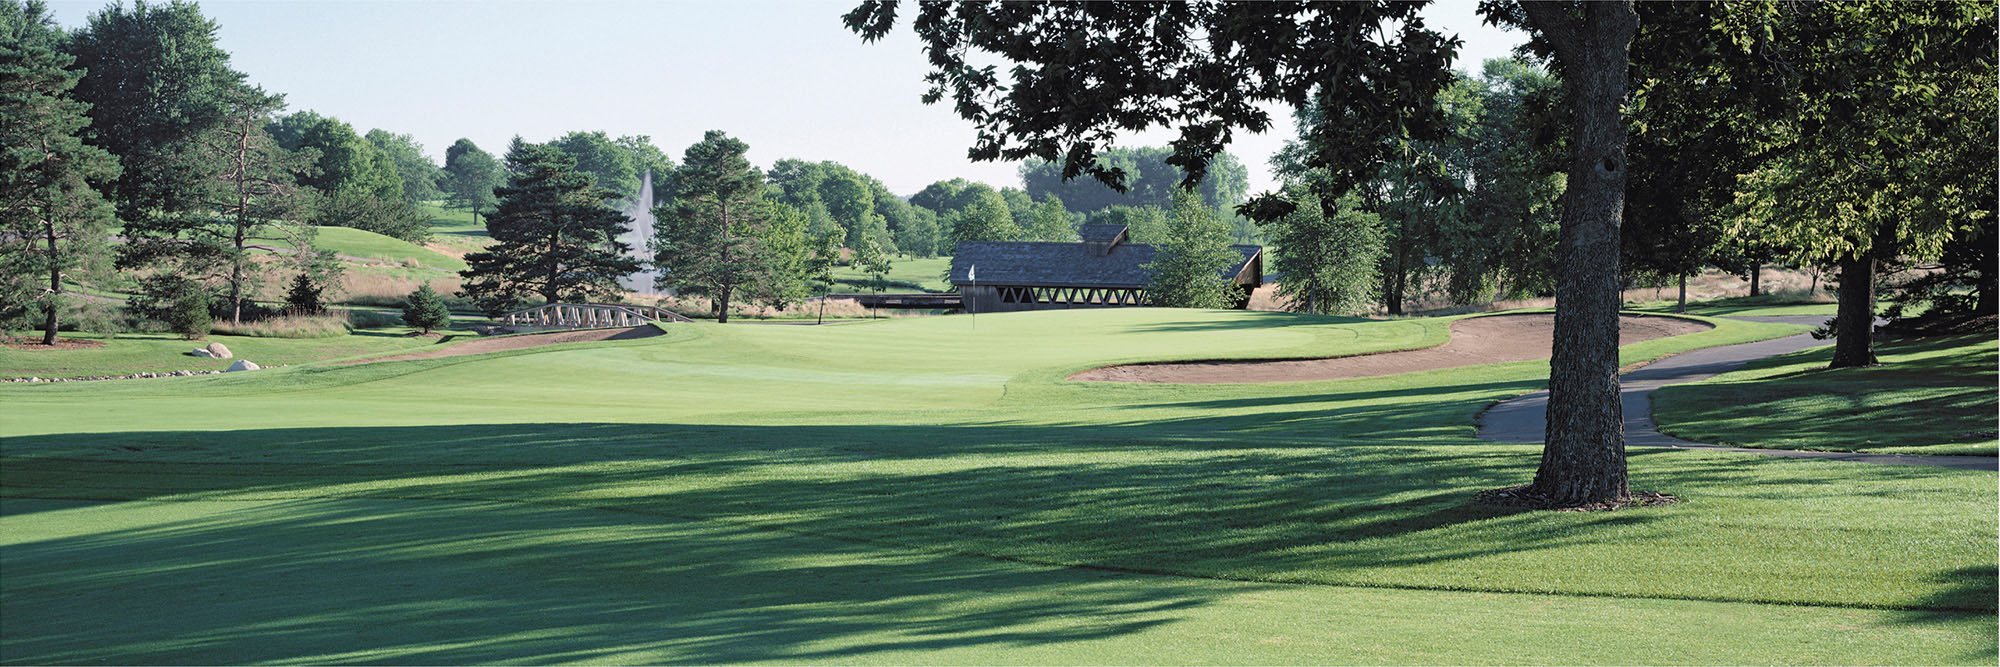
{"x": 428, "y": 582}
{"x": 1930, "y": 396}
{"x": 891, "y": 439}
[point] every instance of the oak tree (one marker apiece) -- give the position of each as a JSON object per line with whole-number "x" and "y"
{"x": 1084, "y": 72}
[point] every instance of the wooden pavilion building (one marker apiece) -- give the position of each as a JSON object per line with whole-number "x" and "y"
{"x": 1103, "y": 270}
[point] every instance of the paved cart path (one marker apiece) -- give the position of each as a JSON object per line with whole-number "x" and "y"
{"x": 1521, "y": 419}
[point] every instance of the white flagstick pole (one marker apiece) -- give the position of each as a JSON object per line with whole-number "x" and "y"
{"x": 972, "y": 283}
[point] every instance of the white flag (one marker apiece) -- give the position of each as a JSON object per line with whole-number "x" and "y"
{"x": 972, "y": 273}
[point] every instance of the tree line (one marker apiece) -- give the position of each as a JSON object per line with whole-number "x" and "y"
{"x": 134, "y": 146}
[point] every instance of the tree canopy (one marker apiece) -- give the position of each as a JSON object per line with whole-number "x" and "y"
{"x": 1081, "y": 73}
{"x": 153, "y": 77}
{"x": 553, "y": 236}
{"x": 54, "y": 222}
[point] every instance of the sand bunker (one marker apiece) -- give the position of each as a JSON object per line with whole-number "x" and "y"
{"x": 503, "y": 343}
{"x": 1478, "y": 340}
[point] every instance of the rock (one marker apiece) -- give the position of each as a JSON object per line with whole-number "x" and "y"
{"x": 243, "y": 365}
{"x": 199, "y": 352}
{"x": 219, "y": 351}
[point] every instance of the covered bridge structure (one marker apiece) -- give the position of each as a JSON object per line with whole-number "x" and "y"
{"x": 1103, "y": 270}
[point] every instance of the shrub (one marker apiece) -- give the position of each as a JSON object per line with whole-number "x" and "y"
{"x": 304, "y": 297}
{"x": 425, "y": 310}
{"x": 369, "y": 319}
{"x": 175, "y": 303}
{"x": 288, "y": 326}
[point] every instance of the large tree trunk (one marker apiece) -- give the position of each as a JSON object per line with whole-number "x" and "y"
{"x": 1584, "y": 458}
{"x": 1682, "y": 307}
{"x": 1756, "y": 275}
{"x": 1855, "y": 320}
{"x": 54, "y": 302}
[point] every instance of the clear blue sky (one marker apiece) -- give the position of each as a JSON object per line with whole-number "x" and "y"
{"x": 784, "y": 76}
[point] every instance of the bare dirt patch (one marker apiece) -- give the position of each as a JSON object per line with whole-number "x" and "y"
{"x": 61, "y": 344}
{"x": 504, "y": 343}
{"x": 1474, "y": 341}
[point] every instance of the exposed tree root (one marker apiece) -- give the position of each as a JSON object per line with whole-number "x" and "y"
{"x": 1524, "y": 496}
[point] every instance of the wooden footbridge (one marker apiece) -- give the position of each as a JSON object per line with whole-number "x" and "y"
{"x": 589, "y": 316}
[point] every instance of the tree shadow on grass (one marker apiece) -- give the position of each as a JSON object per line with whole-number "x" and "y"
{"x": 1250, "y": 320}
{"x": 435, "y": 582}
{"x": 705, "y": 543}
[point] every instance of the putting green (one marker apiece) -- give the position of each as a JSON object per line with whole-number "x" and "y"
{"x": 930, "y": 490}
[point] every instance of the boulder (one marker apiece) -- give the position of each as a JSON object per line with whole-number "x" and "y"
{"x": 199, "y": 352}
{"x": 219, "y": 351}
{"x": 243, "y": 365}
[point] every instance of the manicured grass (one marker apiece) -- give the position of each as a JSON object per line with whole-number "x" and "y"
{"x": 1930, "y": 396}
{"x": 906, "y": 274}
{"x": 456, "y": 227}
{"x": 361, "y": 243}
{"x": 141, "y": 353}
{"x": 412, "y": 582}
{"x": 931, "y": 490}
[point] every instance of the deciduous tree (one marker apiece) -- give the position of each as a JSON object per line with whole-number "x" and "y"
{"x": 1881, "y": 135}
{"x": 1328, "y": 263}
{"x": 420, "y": 176}
{"x": 470, "y": 176}
{"x": 1188, "y": 271}
{"x": 1084, "y": 72}
{"x": 154, "y": 77}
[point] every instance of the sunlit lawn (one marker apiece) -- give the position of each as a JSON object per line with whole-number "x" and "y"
{"x": 931, "y": 491}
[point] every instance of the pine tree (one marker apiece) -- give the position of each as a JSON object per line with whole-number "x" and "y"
{"x": 1188, "y": 272}
{"x": 553, "y": 237}
{"x": 248, "y": 199}
{"x": 425, "y": 310}
{"x": 304, "y": 297}
{"x": 53, "y": 221}
{"x": 710, "y": 238}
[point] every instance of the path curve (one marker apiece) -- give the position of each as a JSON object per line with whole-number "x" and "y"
{"x": 1474, "y": 340}
{"x": 1522, "y": 419}
{"x": 502, "y": 343}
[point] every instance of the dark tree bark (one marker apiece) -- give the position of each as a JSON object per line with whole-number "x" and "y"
{"x": 1682, "y": 307}
{"x": 1855, "y": 319}
{"x": 1756, "y": 275}
{"x": 1584, "y": 458}
{"x": 55, "y": 285}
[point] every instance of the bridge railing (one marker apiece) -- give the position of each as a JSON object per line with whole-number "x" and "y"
{"x": 590, "y": 315}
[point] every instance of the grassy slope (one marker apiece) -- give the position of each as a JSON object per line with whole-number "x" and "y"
{"x": 832, "y": 495}
{"x": 456, "y": 228}
{"x": 1931, "y": 396}
{"x": 140, "y": 353}
{"x": 905, "y": 274}
{"x": 362, "y": 243}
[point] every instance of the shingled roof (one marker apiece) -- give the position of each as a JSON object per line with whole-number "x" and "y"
{"x": 1038, "y": 264}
